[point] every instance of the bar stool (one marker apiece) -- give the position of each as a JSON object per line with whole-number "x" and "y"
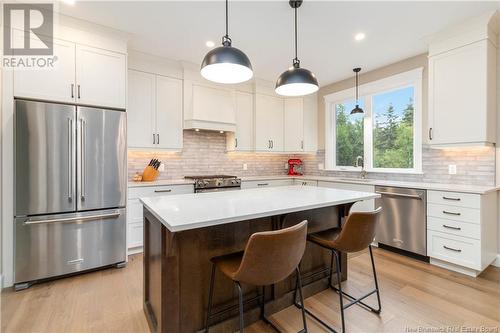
{"x": 356, "y": 234}
{"x": 269, "y": 257}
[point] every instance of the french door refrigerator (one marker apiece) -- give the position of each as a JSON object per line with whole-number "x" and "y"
{"x": 70, "y": 189}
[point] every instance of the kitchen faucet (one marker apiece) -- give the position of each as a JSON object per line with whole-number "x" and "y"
{"x": 362, "y": 164}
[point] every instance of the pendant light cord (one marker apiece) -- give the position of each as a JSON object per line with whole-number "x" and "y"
{"x": 296, "y": 61}
{"x": 357, "y": 98}
{"x": 226, "y": 41}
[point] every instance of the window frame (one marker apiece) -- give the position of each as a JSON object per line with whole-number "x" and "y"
{"x": 412, "y": 78}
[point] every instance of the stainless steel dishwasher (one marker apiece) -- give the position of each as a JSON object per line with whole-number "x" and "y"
{"x": 403, "y": 222}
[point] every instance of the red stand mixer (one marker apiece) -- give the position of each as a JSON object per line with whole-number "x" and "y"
{"x": 295, "y": 167}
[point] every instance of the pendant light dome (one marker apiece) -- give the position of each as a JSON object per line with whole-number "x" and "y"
{"x": 357, "y": 109}
{"x": 226, "y": 64}
{"x": 296, "y": 81}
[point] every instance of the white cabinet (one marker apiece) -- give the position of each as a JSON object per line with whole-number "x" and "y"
{"x": 266, "y": 183}
{"x": 141, "y": 112}
{"x": 168, "y": 113}
{"x": 360, "y": 206}
{"x": 135, "y": 223}
{"x": 81, "y": 74}
{"x": 461, "y": 230}
{"x": 462, "y": 90}
{"x": 294, "y": 125}
{"x": 268, "y": 123}
{"x": 56, "y": 84}
{"x": 305, "y": 182}
{"x": 100, "y": 77}
{"x": 243, "y": 138}
{"x": 310, "y": 116}
{"x": 154, "y": 111}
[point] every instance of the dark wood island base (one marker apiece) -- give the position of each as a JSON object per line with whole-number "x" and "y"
{"x": 177, "y": 271}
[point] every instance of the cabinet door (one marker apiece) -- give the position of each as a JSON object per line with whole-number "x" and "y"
{"x": 268, "y": 123}
{"x": 55, "y": 84}
{"x": 213, "y": 104}
{"x": 294, "y": 125}
{"x": 141, "y": 110}
{"x": 458, "y": 95}
{"x": 244, "y": 121}
{"x": 168, "y": 113}
{"x": 100, "y": 77}
{"x": 310, "y": 123}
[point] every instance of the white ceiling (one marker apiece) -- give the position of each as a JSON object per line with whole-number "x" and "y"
{"x": 264, "y": 30}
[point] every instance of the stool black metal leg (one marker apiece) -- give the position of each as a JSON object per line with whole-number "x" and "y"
{"x": 240, "y": 298}
{"x": 210, "y": 295}
{"x": 339, "y": 280}
{"x": 376, "y": 281}
{"x": 303, "y": 307}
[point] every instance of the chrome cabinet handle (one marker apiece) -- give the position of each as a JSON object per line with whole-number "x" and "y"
{"x": 269, "y": 144}
{"x": 452, "y": 199}
{"x": 430, "y": 133}
{"x": 154, "y": 139}
{"x": 70, "y": 159}
{"x": 400, "y": 195}
{"x": 272, "y": 144}
{"x": 262, "y": 184}
{"x": 163, "y": 191}
{"x": 78, "y": 87}
{"x": 302, "y": 144}
{"x": 72, "y": 90}
{"x": 451, "y": 213}
{"x": 451, "y": 249}
{"x": 235, "y": 142}
{"x": 157, "y": 138}
{"x": 72, "y": 219}
{"x": 450, "y": 227}
{"x": 82, "y": 159}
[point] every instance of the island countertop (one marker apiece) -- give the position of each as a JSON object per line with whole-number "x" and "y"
{"x": 191, "y": 211}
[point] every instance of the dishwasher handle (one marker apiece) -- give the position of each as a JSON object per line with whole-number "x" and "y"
{"x": 414, "y": 196}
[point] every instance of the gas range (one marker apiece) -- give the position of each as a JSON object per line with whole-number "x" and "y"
{"x": 214, "y": 183}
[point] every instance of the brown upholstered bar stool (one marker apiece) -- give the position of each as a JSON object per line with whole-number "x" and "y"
{"x": 356, "y": 234}
{"x": 269, "y": 257}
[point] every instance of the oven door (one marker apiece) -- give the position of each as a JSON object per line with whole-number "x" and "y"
{"x": 217, "y": 189}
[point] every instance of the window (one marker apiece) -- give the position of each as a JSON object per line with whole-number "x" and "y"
{"x": 387, "y": 135}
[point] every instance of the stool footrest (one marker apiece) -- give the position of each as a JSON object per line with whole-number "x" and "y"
{"x": 357, "y": 300}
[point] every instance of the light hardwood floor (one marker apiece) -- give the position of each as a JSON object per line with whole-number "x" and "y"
{"x": 414, "y": 295}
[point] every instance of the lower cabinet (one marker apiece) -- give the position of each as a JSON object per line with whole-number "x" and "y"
{"x": 135, "y": 223}
{"x": 360, "y": 206}
{"x": 304, "y": 182}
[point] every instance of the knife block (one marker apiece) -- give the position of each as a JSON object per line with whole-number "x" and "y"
{"x": 150, "y": 174}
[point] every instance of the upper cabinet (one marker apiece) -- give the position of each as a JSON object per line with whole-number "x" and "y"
{"x": 243, "y": 138}
{"x": 269, "y": 111}
{"x": 294, "y": 125}
{"x": 100, "y": 77}
{"x": 81, "y": 74}
{"x": 154, "y": 111}
{"x": 462, "y": 87}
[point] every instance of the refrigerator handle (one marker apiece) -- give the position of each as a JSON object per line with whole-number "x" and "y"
{"x": 82, "y": 159}
{"x": 70, "y": 159}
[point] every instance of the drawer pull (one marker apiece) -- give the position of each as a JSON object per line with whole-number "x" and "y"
{"x": 452, "y": 199}
{"x": 452, "y": 249}
{"x": 449, "y": 227}
{"x": 163, "y": 191}
{"x": 263, "y": 184}
{"x": 451, "y": 213}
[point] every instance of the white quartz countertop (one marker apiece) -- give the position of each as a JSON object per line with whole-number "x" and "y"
{"x": 191, "y": 211}
{"x": 379, "y": 182}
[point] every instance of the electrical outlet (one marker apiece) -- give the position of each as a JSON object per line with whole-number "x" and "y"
{"x": 452, "y": 169}
{"x": 245, "y": 166}
{"x": 321, "y": 166}
{"x": 286, "y": 166}
{"x": 161, "y": 168}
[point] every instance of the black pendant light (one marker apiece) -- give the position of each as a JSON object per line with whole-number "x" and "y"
{"x": 226, "y": 64}
{"x": 357, "y": 109}
{"x": 296, "y": 81}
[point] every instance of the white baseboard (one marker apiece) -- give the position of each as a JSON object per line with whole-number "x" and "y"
{"x": 453, "y": 267}
{"x": 496, "y": 263}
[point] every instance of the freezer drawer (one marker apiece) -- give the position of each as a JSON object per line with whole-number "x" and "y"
{"x": 403, "y": 221}
{"x": 55, "y": 245}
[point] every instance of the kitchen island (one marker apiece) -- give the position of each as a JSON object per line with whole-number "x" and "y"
{"x": 182, "y": 233}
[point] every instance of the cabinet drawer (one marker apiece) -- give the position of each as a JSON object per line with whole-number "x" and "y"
{"x": 454, "y": 249}
{"x": 150, "y": 191}
{"x": 455, "y": 213}
{"x": 266, "y": 183}
{"x": 454, "y": 199}
{"x": 454, "y": 228}
{"x": 135, "y": 234}
{"x": 134, "y": 210}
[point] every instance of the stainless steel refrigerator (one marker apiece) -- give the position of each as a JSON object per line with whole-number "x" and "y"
{"x": 70, "y": 189}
